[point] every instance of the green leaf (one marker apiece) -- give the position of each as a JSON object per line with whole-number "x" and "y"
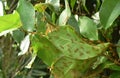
{"x": 27, "y": 15}
{"x": 1, "y": 8}
{"x": 111, "y": 65}
{"x": 84, "y": 6}
{"x": 71, "y": 45}
{"x": 115, "y": 74}
{"x": 72, "y": 3}
{"x": 41, "y": 23}
{"x": 18, "y": 35}
{"x": 88, "y": 28}
{"x": 24, "y": 46}
{"x": 45, "y": 49}
{"x": 66, "y": 67}
{"x": 118, "y": 48}
{"x": 41, "y": 7}
{"x": 109, "y": 12}
{"x": 64, "y": 16}
{"x": 10, "y": 21}
{"x": 74, "y": 23}
{"x": 55, "y": 3}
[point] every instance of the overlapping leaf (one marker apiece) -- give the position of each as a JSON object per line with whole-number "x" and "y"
{"x": 109, "y": 12}
{"x": 65, "y": 15}
{"x": 55, "y": 3}
{"x": 88, "y": 28}
{"x": 27, "y": 15}
{"x": 66, "y": 52}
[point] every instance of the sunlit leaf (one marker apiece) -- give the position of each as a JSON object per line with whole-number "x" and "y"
{"x": 41, "y": 7}
{"x": 27, "y": 15}
{"x": 24, "y": 46}
{"x": 64, "y": 16}
{"x": 1, "y": 8}
{"x": 88, "y": 28}
{"x": 9, "y": 22}
{"x": 55, "y": 3}
{"x": 109, "y": 12}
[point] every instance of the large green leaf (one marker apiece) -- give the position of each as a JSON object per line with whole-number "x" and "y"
{"x": 88, "y": 28}
{"x": 10, "y": 21}
{"x": 66, "y": 67}
{"x": 110, "y": 10}
{"x": 66, "y": 52}
{"x": 66, "y": 13}
{"x": 27, "y": 14}
{"x": 71, "y": 45}
{"x": 45, "y": 49}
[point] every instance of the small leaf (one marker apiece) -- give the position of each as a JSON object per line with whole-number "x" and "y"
{"x": 88, "y": 28}
{"x": 72, "y": 3}
{"x": 41, "y": 7}
{"x": 29, "y": 65}
{"x": 27, "y": 15}
{"x": 24, "y": 46}
{"x": 18, "y": 35}
{"x": 64, "y": 16}
{"x": 9, "y": 22}
{"x": 74, "y": 23}
{"x": 1, "y": 9}
{"x": 55, "y": 3}
{"x": 111, "y": 65}
{"x": 84, "y": 5}
{"x": 118, "y": 48}
{"x": 109, "y": 12}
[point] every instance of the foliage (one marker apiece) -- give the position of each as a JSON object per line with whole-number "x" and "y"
{"x": 59, "y": 39}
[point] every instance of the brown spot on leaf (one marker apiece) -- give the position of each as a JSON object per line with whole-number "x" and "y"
{"x": 72, "y": 40}
{"x": 81, "y": 53}
{"x": 87, "y": 52}
{"x": 68, "y": 35}
{"x": 69, "y": 50}
{"x": 65, "y": 64}
{"x": 61, "y": 47}
{"x": 76, "y": 50}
